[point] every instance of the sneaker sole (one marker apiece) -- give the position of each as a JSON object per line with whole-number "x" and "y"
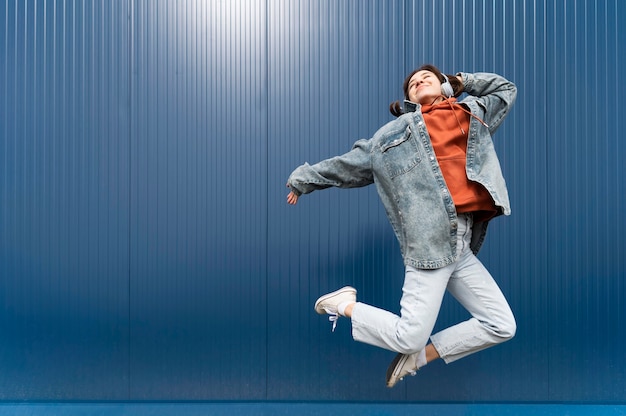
{"x": 347, "y": 289}
{"x": 397, "y": 363}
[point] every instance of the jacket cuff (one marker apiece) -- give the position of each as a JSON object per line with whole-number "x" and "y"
{"x": 294, "y": 190}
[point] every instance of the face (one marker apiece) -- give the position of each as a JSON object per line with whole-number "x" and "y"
{"x": 424, "y": 88}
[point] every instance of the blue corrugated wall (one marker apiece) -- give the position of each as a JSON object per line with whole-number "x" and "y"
{"x": 146, "y": 249}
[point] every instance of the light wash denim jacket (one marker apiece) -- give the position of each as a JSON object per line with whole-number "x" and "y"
{"x": 401, "y": 161}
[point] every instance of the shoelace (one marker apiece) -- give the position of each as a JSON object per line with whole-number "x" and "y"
{"x": 410, "y": 373}
{"x": 333, "y": 316}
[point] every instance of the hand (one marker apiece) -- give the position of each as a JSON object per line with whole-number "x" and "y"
{"x": 460, "y": 78}
{"x": 292, "y": 199}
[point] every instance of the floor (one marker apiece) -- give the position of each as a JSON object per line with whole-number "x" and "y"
{"x": 305, "y": 409}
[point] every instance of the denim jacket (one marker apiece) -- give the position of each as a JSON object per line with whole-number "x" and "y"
{"x": 400, "y": 160}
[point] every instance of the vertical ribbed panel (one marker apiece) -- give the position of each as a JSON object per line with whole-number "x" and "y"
{"x": 585, "y": 166}
{"x": 146, "y": 248}
{"x": 198, "y": 205}
{"x": 64, "y": 200}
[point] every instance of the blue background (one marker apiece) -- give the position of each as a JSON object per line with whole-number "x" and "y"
{"x": 146, "y": 248}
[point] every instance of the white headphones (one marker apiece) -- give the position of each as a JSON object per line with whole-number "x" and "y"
{"x": 446, "y": 87}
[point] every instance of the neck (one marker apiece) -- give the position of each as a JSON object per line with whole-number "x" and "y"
{"x": 437, "y": 100}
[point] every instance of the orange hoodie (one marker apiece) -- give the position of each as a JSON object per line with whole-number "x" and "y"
{"x": 448, "y": 126}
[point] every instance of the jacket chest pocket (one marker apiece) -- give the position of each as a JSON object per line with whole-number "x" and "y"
{"x": 400, "y": 155}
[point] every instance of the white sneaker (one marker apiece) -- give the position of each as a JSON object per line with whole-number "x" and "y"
{"x": 401, "y": 365}
{"x": 328, "y": 303}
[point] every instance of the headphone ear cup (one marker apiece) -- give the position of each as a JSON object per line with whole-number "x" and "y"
{"x": 446, "y": 87}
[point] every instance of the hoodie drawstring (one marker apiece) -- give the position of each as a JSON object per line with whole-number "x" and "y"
{"x": 465, "y": 110}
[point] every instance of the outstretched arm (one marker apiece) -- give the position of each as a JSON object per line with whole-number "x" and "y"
{"x": 350, "y": 170}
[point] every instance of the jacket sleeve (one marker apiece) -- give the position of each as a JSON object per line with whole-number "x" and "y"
{"x": 350, "y": 170}
{"x": 494, "y": 93}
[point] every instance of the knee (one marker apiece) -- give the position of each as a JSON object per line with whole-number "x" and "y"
{"x": 408, "y": 349}
{"x": 501, "y": 328}
{"x": 506, "y": 330}
{"x": 411, "y": 341}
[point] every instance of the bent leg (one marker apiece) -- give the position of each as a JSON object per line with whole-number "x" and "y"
{"x": 492, "y": 320}
{"x": 408, "y": 333}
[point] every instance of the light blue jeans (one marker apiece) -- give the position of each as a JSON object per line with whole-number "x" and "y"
{"x": 492, "y": 321}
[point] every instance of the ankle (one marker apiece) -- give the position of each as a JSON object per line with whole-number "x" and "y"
{"x": 420, "y": 360}
{"x": 345, "y": 308}
{"x": 431, "y": 353}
